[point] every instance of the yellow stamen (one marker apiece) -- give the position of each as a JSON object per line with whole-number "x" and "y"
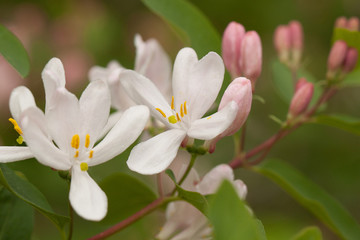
{"x": 84, "y": 166}
{"x": 177, "y": 117}
{"x": 91, "y": 153}
{"x": 87, "y": 140}
{"x": 75, "y": 141}
{"x": 16, "y": 126}
{"x": 181, "y": 111}
{"x": 208, "y": 117}
{"x": 172, "y": 119}
{"x": 20, "y": 140}
{"x": 76, "y": 154}
{"x": 172, "y": 103}
{"x": 160, "y": 111}
{"x": 185, "y": 109}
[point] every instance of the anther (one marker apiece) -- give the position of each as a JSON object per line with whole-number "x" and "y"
{"x": 16, "y": 126}
{"x": 177, "y": 117}
{"x": 87, "y": 140}
{"x": 185, "y": 109}
{"x": 172, "y": 119}
{"x": 172, "y": 103}
{"x": 76, "y": 154}
{"x": 181, "y": 111}
{"x": 75, "y": 141}
{"x": 91, "y": 154}
{"x": 84, "y": 166}
{"x": 160, "y": 111}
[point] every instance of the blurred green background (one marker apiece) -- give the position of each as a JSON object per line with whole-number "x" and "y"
{"x": 87, "y": 33}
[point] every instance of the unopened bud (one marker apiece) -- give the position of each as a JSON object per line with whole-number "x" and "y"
{"x": 297, "y": 41}
{"x": 350, "y": 60}
{"x": 301, "y": 99}
{"x": 282, "y": 42}
{"x": 239, "y": 91}
{"x": 341, "y": 22}
{"x": 251, "y": 56}
{"x": 300, "y": 83}
{"x": 353, "y": 24}
{"x": 336, "y": 57}
{"x": 231, "y": 47}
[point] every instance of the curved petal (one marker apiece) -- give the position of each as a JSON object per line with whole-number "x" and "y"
{"x": 240, "y": 188}
{"x": 153, "y": 62}
{"x": 33, "y": 122}
{"x": 53, "y": 77}
{"x": 197, "y": 82}
{"x": 63, "y": 118}
{"x": 122, "y": 135}
{"x": 143, "y": 91}
{"x": 94, "y": 106}
{"x": 21, "y": 98}
{"x": 210, "y": 127}
{"x": 119, "y": 97}
{"x": 86, "y": 197}
{"x": 13, "y": 154}
{"x": 156, "y": 154}
{"x": 101, "y": 73}
{"x": 112, "y": 120}
{"x": 212, "y": 180}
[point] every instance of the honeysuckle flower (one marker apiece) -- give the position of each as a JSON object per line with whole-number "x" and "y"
{"x": 184, "y": 221}
{"x": 195, "y": 87}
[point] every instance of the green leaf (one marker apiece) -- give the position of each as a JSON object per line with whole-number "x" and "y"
{"x": 185, "y": 16}
{"x": 194, "y": 198}
{"x": 126, "y": 195}
{"x": 14, "y": 52}
{"x": 312, "y": 197}
{"x": 230, "y": 217}
{"x": 308, "y": 233}
{"x": 30, "y": 194}
{"x": 16, "y": 217}
{"x": 343, "y": 122}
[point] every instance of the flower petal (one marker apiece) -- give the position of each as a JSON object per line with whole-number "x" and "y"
{"x": 86, "y": 197}
{"x": 143, "y": 91}
{"x": 94, "y": 109}
{"x": 122, "y": 135}
{"x": 156, "y": 154}
{"x": 101, "y": 73}
{"x": 212, "y": 180}
{"x": 63, "y": 118}
{"x": 153, "y": 62}
{"x": 210, "y": 127}
{"x": 53, "y": 77}
{"x": 33, "y": 124}
{"x": 21, "y": 98}
{"x": 13, "y": 154}
{"x": 197, "y": 82}
{"x": 240, "y": 188}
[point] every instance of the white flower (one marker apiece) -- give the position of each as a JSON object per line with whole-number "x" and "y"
{"x": 195, "y": 87}
{"x": 184, "y": 221}
{"x": 64, "y": 138}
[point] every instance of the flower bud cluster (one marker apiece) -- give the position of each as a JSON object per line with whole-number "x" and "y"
{"x": 242, "y": 52}
{"x": 289, "y": 43}
{"x": 342, "y": 60}
{"x": 351, "y": 24}
{"x": 303, "y": 94}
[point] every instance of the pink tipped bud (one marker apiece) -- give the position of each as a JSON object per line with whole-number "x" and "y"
{"x": 239, "y": 91}
{"x": 353, "y": 24}
{"x": 231, "y": 44}
{"x": 300, "y": 83}
{"x": 337, "y": 55}
{"x": 251, "y": 56}
{"x": 350, "y": 60}
{"x": 301, "y": 99}
{"x": 297, "y": 41}
{"x": 282, "y": 42}
{"x": 341, "y": 22}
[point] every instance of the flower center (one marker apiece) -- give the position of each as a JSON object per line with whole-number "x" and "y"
{"x": 175, "y": 117}
{"x": 20, "y": 139}
{"x": 75, "y": 143}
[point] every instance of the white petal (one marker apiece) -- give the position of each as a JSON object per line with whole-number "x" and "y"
{"x": 53, "y": 77}
{"x": 240, "y": 188}
{"x": 101, "y": 73}
{"x": 197, "y": 82}
{"x": 13, "y": 154}
{"x": 21, "y": 98}
{"x": 143, "y": 91}
{"x": 63, "y": 118}
{"x": 113, "y": 119}
{"x": 210, "y": 127}
{"x": 94, "y": 108}
{"x": 156, "y": 154}
{"x": 153, "y": 62}
{"x": 86, "y": 197}
{"x": 119, "y": 97}
{"x": 33, "y": 124}
{"x": 122, "y": 135}
{"x": 212, "y": 180}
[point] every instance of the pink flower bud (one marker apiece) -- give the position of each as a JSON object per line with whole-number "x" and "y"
{"x": 231, "y": 44}
{"x": 251, "y": 56}
{"x": 239, "y": 91}
{"x": 282, "y": 42}
{"x": 350, "y": 60}
{"x": 297, "y": 39}
{"x": 301, "y": 99}
{"x": 300, "y": 83}
{"x": 337, "y": 55}
{"x": 353, "y": 24}
{"x": 341, "y": 22}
